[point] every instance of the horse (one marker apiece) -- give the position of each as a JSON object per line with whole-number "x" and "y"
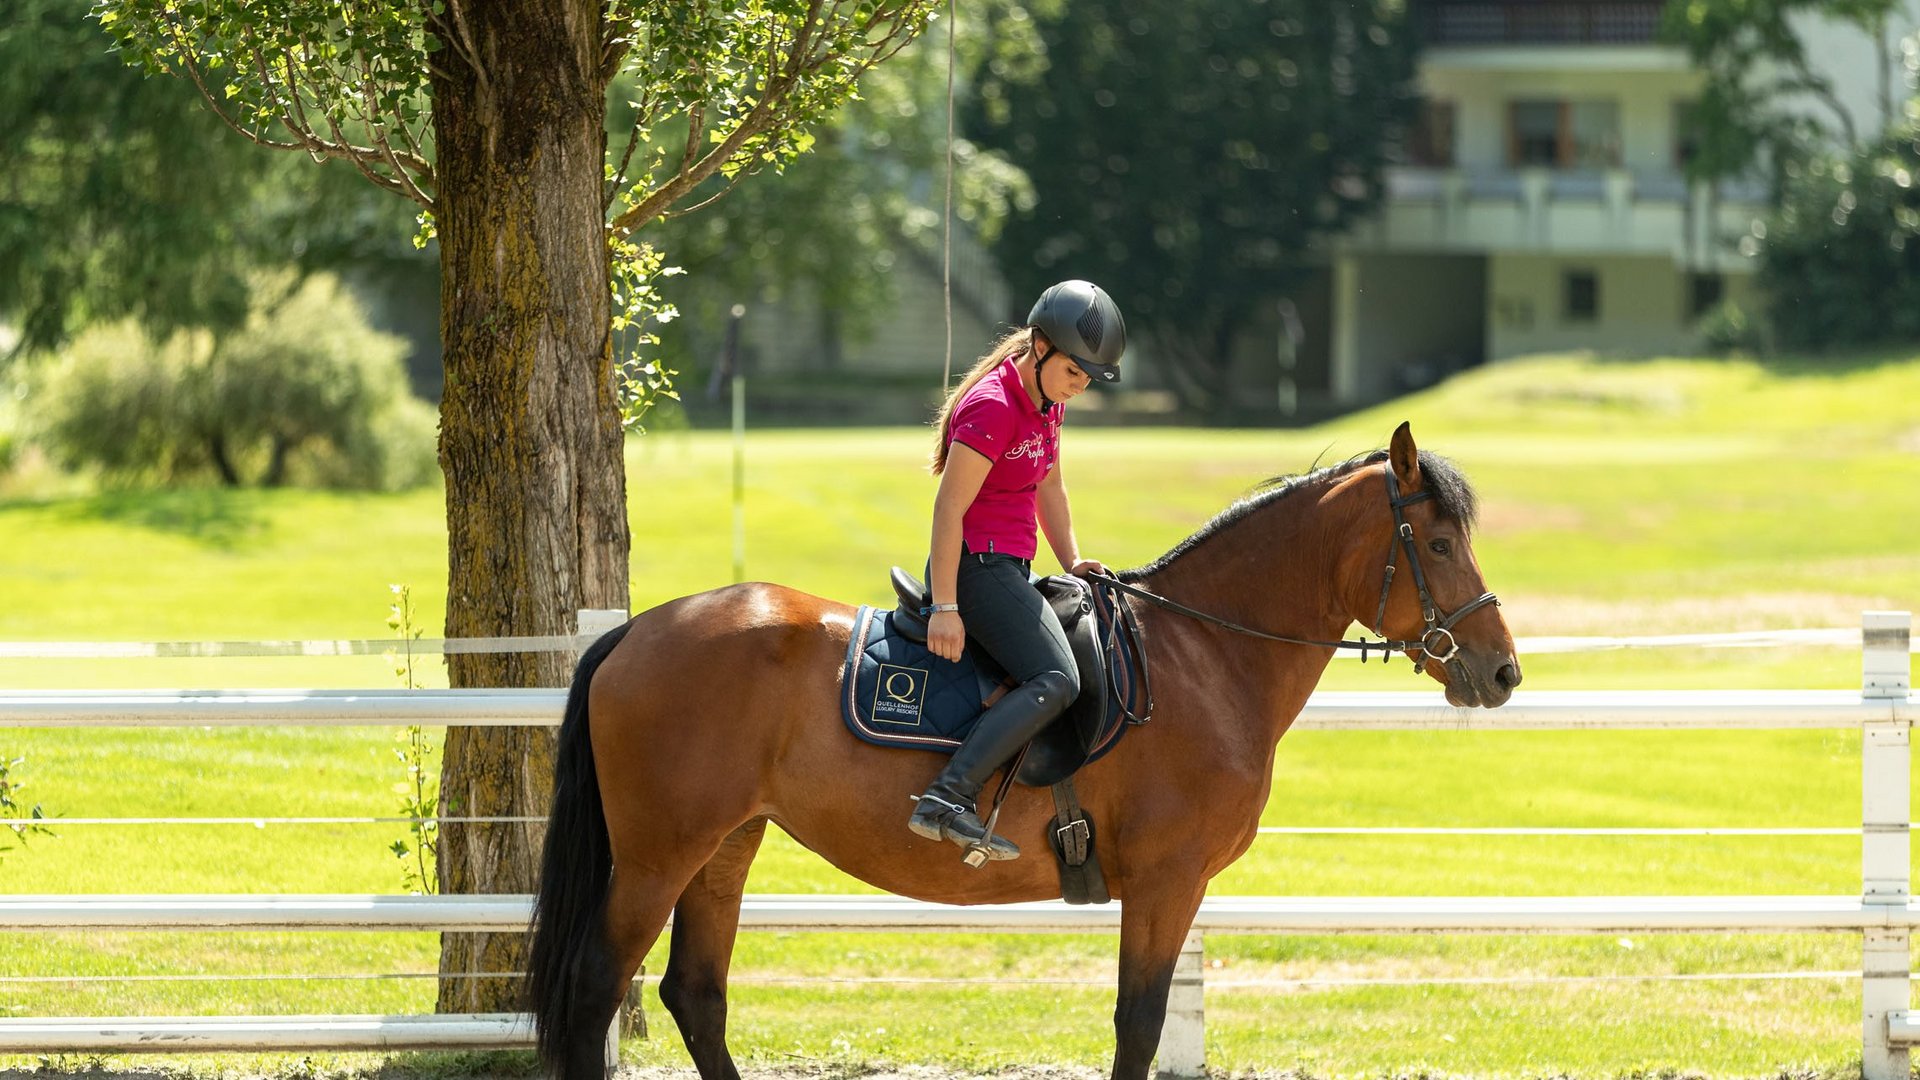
{"x": 698, "y": 722}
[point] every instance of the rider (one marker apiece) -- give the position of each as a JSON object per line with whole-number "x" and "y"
{"x": 997, "y": 458}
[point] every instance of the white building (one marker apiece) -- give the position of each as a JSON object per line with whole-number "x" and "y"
{"x": 1544, "y": 204}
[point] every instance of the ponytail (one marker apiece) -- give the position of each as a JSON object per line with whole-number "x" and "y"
{"x": 1012, "y": 344}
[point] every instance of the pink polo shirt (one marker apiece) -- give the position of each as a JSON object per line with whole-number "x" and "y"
{"x": 998, "y": 418}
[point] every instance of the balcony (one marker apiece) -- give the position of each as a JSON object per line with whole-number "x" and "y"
{"x": 1538, "y": 22}
{"x": 1572, "y": 211}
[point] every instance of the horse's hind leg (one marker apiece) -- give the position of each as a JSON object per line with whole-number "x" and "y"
{"x": 638, "y": 904}
{"x": 694, "y": 988}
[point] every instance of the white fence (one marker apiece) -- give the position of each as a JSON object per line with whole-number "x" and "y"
{"x": 1884, "y": 913}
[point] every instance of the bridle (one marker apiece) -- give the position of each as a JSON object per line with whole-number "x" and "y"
{"x": 1438, "y": 627}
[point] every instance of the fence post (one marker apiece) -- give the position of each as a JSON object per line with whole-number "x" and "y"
{"x": 1885, "y": 846}
{"x": 590, "y": 623}
{"x": 1183, "y": 1038}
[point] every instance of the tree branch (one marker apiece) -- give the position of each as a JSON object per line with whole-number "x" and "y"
{"x": 450, "y": 34}
{"x": 193, "y": 73}
{"x": 472, "y": 51}
{"x": 626, "y": 158}
{"x": 764, "y": 112}
{"x": 732, "y": 182}
{"x": 379, "y": 129}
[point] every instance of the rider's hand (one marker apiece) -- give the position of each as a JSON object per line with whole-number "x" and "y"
{"x": 1087, "y": 566}
{"x": 946, "y": 635}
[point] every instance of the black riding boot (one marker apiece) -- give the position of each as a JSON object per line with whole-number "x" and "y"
{"x": 949, "y": 808}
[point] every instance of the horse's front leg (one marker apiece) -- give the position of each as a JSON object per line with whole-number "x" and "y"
{"x": 1153, "y": 928}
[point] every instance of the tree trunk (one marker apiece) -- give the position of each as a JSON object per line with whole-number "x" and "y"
{"x": 530, "y": 435}
{"x": 222, "y": 461}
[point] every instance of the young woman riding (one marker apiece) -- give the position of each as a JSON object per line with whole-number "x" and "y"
{"x": 998, "y": 461}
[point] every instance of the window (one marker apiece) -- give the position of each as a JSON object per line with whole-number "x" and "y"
{"x": 1536, "y": 133}
{"x": 1564, "y": 134}
{"x": 1430, "y": 143}
{"x": 1593, "y": 135}
{"x": 1703, "y": 293}
{"x": 1581, "y": 299}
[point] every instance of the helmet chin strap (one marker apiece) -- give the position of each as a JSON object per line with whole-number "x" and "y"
{"x": 1039, "y": 384}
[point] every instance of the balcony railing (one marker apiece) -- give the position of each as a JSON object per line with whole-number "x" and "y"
{"x": 1539, "y": 22}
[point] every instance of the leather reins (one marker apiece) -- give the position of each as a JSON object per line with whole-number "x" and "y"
{"x": 1437, "y": 626}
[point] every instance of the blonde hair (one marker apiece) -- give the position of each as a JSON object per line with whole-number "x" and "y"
{"x": 1012, "y": 344}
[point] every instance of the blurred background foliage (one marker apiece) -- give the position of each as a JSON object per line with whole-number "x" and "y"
{"x": 1210, "y": 148}
{"x": 1195, "y": 156}
{"x": 303, "y": 392}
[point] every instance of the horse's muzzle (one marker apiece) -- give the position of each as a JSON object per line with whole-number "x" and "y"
{"x": 1485, "y": 680}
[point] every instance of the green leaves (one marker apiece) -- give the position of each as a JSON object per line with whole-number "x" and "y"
{"x": 419, "y": 788}
{"x": 342, "y": 79}
{"x": 1752, "y": 105}
{"x": 639, "y": 380}
{"x": 1840, "y": 257}
{"x": 739, "y": 85}
{"x": 1191, "y": 155}
{"x": 11, "y": 821}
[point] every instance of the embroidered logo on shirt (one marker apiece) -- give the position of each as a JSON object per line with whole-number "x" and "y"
{"x": 1034, "y": 447}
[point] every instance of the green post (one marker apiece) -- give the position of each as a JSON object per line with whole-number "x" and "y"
{"x": 739, "y": 479}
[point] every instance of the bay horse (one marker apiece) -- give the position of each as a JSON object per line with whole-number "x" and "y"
{"x": 691, "y": 727}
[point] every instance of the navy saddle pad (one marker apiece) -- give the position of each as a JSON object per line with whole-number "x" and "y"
{"x": 895, "y": 692}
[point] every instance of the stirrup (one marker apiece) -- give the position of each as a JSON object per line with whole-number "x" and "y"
{"x": 979, "y": 851}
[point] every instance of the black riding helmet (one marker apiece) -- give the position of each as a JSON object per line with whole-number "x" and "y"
{"x": 1081, "y": 320}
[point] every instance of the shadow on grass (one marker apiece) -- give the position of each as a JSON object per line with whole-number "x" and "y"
{"x": 416, "y": 1065}
{"x": 217, "y": 517}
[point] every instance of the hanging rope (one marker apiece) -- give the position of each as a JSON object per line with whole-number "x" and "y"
{"x": 946, "y": 237}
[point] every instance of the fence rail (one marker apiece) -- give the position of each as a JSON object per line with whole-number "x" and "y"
{"x": 1884, "y": 913}
{"x": 1218, "y": 914}
{"x": 1610, "y": 710}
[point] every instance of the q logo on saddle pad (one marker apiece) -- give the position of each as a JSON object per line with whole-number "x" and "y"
{"x": 898, "y": 694}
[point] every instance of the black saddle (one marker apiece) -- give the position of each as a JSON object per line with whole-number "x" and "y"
{"x": 1064, "y": 745}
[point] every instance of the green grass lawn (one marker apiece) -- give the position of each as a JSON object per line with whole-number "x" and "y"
{"x": 1619, "y": 498}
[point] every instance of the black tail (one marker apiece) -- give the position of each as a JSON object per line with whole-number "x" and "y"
{"x": 569, "y": 929}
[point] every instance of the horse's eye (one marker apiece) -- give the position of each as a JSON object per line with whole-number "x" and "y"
{"x": 1442, "y": 548}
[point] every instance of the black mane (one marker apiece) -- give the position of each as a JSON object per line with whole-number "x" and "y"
{"x": 1453, "y": 497}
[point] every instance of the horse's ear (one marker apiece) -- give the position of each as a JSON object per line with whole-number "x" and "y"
{"x": 1404, "y": 458}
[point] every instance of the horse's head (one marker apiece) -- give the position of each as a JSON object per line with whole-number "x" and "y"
{"x": 1410, "y": 573}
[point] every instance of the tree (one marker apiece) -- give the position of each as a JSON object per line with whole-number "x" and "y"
{"x": 1841, "y": 254}
{"x": 491, "y": 118}
{"x": 1757, "y": 73}
{"x": 306, "y": 392}
{"x": 103, "y": 217}
{"x": 831, "y": 230}
{"x": 1189, "y": 155}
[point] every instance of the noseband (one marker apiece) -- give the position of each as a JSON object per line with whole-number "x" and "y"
{"x": 1437, "y": 628}
{"x": 1437, "y": 631}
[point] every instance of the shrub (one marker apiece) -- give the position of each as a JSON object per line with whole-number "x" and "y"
{"x": 1728, "y": 329}
{"x": 1840, "y": 261}
{"x": 305, "y": 393}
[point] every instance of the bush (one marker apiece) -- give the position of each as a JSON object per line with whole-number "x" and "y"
{"x": 1729, "y": 329}
{"x": 306, "y": 393}
{"x": 1840, "y": 262}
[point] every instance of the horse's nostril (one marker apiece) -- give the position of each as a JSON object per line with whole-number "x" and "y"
{"x": 1508, "y": 676}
